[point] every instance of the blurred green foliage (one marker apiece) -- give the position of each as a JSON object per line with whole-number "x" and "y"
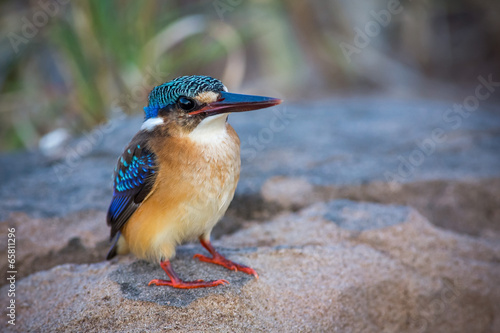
{"x": 89, "y": 58}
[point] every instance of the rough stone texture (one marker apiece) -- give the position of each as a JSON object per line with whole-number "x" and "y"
{"x": 324, "y": 265}
{"x": 364, "y": 216}
{"x": 315, "y": 275}
{"x": 471, "y": 206}
{"x": 134, "y": 278}
{"x": 330, "y": 142}
{"x": 43, "y": 243}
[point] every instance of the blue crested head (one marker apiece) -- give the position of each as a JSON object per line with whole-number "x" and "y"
{"x": 188, "y": 86}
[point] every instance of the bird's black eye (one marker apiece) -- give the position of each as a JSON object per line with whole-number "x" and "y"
{"x": 187, "y": 104}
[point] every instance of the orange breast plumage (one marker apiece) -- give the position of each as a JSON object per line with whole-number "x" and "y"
{"x": 196, "y": 181}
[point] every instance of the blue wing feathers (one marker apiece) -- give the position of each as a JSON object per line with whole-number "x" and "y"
{"x": 134, "y": 179}
{"x": 133, "y": 174}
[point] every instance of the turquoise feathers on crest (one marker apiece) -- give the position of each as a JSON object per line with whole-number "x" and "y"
{"x": 169, "y": 92}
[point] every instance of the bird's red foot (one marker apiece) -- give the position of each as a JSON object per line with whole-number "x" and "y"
{"x": 176, "y": 282}
{"x": 219, "y": 259}
{"x": 187, "y": 284}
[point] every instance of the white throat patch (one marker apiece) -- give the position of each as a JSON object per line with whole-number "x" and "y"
{"x": 210, "y": 130}
{"x": 151, "y": 123}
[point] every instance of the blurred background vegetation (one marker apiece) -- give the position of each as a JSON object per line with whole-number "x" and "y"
{"x": 72, "y": 64}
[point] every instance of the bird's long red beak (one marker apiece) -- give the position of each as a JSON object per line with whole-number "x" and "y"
{"x": 229, "y": 102}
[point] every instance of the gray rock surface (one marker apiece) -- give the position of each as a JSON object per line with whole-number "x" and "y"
{"x": 364, "y": 216}
{"x": 335, "y": 142}
{"x": 470, "y": 206}
{"x": 314, "y": 276}
{"x": 134, "y": 278}
{"x": 367, "y": 264}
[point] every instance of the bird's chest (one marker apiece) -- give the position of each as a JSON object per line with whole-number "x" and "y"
{"x": 214, "y": 175}
{"x": 214, "y": 182}
{"x": 207, "y": 173}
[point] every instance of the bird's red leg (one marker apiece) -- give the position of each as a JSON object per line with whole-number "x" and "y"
{"x": 176, "y": 282}
{"x": 219, "y": 259}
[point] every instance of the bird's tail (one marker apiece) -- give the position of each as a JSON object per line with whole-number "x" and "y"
{"x": 113, "y": 250}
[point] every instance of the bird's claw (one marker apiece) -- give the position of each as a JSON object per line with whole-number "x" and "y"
{"x": 154, "y": 281}
{"x": 220, "y": 260}
{"x": 249, "y": 271}
{"x": 201, "y": 257}
{"x": 188, "y": 284}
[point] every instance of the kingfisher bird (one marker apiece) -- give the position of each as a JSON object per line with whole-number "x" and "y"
{"x": 177, "y": 176}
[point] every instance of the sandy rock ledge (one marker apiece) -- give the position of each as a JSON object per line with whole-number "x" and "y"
{"x": 339, "y": 266}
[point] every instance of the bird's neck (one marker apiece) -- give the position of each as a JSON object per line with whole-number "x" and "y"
{"x": 213, "y": 140}
{"x": 210, "y": 130}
